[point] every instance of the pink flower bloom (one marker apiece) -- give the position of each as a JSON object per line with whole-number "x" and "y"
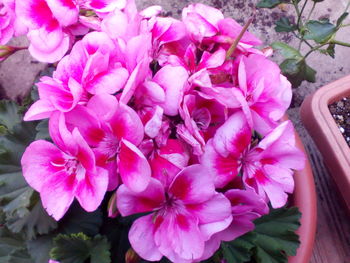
{"x": 165, "y": 90}
{"x": 246, "y": 206}
{"x": 267, "y": 94}
{"x": 267, "y": 168}
{"x": 169, "y": 160}
{"x": 10, "y": 24}
{"x": 49, "y": 23}
{"x": 225, "y": 151}
{"x": 93, "y": 67}
{"x": 61, "y": 173}
{"x": 114, "y": 131}
{"x": 201, "y": 118}
{"x": 184, "y": 216}
{"x": 207, "y": 25}
{"x": 46, "y": 20}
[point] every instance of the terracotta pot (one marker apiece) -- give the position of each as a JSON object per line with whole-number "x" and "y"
{"x": 327, "y": 136}
{"x": 304, "y": 198}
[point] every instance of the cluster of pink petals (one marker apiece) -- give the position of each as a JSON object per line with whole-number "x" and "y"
{"x": 153, "y": 108}
{"x": 10, "y": 24}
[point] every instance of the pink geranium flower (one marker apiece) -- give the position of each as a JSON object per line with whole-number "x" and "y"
{"x": 184, "y": 215}
{"x": 207, "y": 25}
{"x": 10, "y": 24}
{"x": 52, "y": 23}
{"x": 93, "y": 67}
{"x": 267, "y": 168}
{"x": 64, "y": 172}
{"x": 267, "y": 94}
{"x": 246, "y": 206}
{"x": 114, "y": 131}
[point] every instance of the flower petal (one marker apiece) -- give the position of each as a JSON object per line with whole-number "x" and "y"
{"x": 129, "y": 202}
{"x": 38, "y": 162}
{"x": 141, "y": 237}
{"x": 91, "y": 190}
{"x": 193, "y": 185}
{"x": 133, "y": 167}
{"x": 57, "y": 193}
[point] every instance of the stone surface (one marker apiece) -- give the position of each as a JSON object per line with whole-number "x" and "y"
{"x": 18, "y": 72}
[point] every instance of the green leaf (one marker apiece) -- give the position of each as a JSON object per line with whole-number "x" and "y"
{"x": 269, "y": 3}
{"x": 43, "y": 131}
{"x": 77, "y": 248}
{"x": 78, "y": 220}
{"x": 310, "y": 74}
{"x": 275, "y": 235}
{"x": 12, "y": 248}
{"x": 341, "y": 19}
{"x": 284, "y": 25}
{"x": 297, "y": 71}
{"x": 319, "y": 31}
{"x": 9, "y": 116}
{"x": 39, "y": 248}
{"x": 35, "y": 221}
{"x": 286, "y": 50}
{"x": 21, "y": 206}
{"x": 331, "y": 50}
{"x": 240, "y": 249}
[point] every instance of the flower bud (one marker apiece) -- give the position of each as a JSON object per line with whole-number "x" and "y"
{"x": 131, "y": 256}
{"x": 112, "y": 207}
{"x": 6, "y": 51}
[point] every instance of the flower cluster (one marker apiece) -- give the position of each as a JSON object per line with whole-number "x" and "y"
{"x": 182, "y": 118}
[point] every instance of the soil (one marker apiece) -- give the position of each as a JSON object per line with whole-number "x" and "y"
{"x": 340, "y": 111}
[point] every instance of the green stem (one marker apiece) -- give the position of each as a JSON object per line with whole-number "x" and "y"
{"x": 340, "y": 43}
{"x": 314, "y": 49}
{"x": 301, "y": 13}
{"x": 347, "y": 7}
{"x": 295, "y": 4}
{"x": 302, "y": 40}
{"x": 312, "y": 10}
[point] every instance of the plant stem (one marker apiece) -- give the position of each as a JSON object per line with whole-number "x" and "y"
{"x": 340, "y": 43}
{"x": 301, "y": 13}
{"x": 312, "y": 10}
{"x": 347, "y": 7}
{"x": 314, "y": 49}
{"x": 295, "y": 4}
{"x": 302, "y": 40}
{"x": 239, "y": 37}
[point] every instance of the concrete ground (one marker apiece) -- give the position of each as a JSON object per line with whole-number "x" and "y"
{"x": 333, "y": 231}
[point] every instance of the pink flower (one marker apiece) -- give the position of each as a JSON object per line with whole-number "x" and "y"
{"x": 46, "y": 21}
{"x": 267, "y": 94}
{"x": 114, "y": 131}
{"x": 52, "y": 23}
{"x": 201, "y": 118}
{"x": 10, "y": 24}
{"x": 266, "y": 168}
{"x": 169, "y": 160}
{"x": 184, "y": 216}
{"x": 207, "y": 25}
{"x": 246, "y": 206}
{"x": 63, "y": 173}
{"x": 224, "y": 153}
{"x": 166, "y": 90}
{"x": 93, "y": 67}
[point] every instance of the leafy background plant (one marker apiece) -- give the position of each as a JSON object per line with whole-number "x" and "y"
{"x": 316, "y": 35}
